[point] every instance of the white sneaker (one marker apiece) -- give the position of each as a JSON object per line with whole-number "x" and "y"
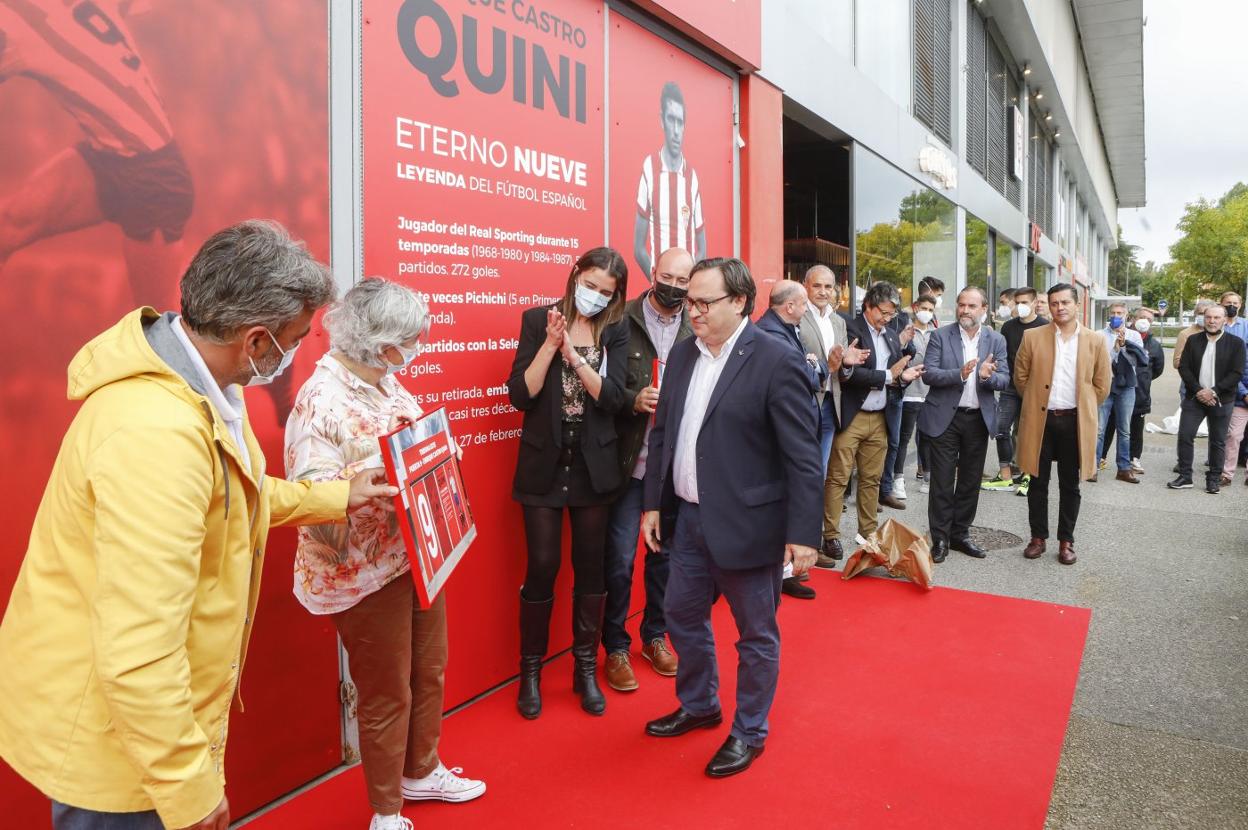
{"x": 1136, "y": 466}
{"x": 924, "y": 488}
{"x": 442, "y": 785}
{"x": 899, "y": 488}
{"x": 395, "y": 822}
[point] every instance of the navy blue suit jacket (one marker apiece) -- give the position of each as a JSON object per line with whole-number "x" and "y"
{"x": 857, "y": 383}
{"x": 942, "y": 372}
{"x": 760, "y": 478}
{"x": 771, "y": 323}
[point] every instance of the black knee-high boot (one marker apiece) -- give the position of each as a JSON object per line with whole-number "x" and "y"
{"x": 534, "y": 636}
{"x": 586, "y": 634}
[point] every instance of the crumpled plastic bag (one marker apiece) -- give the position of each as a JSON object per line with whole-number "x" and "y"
{"x": 1170, "y": 426}
{"x": 899, "y": 549}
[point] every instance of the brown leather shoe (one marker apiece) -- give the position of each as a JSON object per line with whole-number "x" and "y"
{"x": 892, "y": 501}
{"x": 1034, "y": 548}
{"x": 620, "y": 673}
{"x": 662, "y": 659}
{"x": 1066, "y": 553}
{"x": 1127, "y": 476}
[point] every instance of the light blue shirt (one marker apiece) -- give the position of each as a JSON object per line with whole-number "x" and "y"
{"x": 1238, "y": 327}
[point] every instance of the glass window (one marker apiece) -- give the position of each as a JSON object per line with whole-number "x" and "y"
{"x": 1005, "y": 265}
{"x": 883, "y": 46}
{"x": 1039, "y": 276}
{"x": 976, "y": 252}
{"x": 903, "y": 231}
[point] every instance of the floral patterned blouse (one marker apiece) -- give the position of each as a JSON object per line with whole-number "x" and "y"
{"x": 332, "y": 435}
{"x": 573, "y": 389}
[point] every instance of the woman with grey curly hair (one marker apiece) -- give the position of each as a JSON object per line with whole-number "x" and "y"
{"x": 358, "y": 573}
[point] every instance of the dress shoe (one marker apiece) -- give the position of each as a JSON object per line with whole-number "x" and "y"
{"x": 1092, "y": 480}
{"x": 620, "y": 672}
{"x": 680, "y": 722}
{"x": 1226, "y": 479}
{"x": 794, "y": 588}
{"x": 1034, "y": 549}
{"x": 733, "y": 757}
{"x": 825, "y": 563}
{"x": 940, "y": 549}
{"x": 660, "y": 657}
{"x": 965, "y": 545}
{"x": 1127, "y": 476}
{"x": 1066, "y": 553}
{"x": 892, "y": 501}
{"x": 832, "y": 549}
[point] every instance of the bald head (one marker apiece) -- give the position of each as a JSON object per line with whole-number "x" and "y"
{"x": 674, "y": 263}
{"x": 788, "y": 300}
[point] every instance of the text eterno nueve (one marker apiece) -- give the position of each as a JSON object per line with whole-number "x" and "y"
{"x": 475, "y": 149}
{"x": 533, "y": 73}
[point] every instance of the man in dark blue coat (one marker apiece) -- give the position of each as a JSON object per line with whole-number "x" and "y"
{"x": 733, "y": 482}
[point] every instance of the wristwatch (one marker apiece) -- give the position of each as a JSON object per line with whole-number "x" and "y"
{"x": 582, "y": 362}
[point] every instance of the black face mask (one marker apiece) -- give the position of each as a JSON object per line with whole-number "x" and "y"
{"x": 1231, "y": 311}
{"x": 669, "y": 296}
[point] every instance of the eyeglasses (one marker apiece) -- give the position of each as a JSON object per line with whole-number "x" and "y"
{"x": 703, "y": 306}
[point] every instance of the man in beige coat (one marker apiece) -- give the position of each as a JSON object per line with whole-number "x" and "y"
{"x": 1063, "y": 375}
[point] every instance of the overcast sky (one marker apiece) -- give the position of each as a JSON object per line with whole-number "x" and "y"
{"x": 1195, "y": 113}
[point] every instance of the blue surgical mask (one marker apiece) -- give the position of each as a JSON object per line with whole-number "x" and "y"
{"x": 589, "y": 302}
{"x": 408, "y": 357}
{"x": 258, "y": 379}
{"x": 1115, "y": 322}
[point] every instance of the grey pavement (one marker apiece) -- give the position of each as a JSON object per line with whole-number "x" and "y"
{"x": 1158, "y": 736}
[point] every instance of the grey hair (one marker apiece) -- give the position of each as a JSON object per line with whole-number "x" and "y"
{"x": 983, "y": 295}
{"x": 372, "y": 315}
{"x": 251, "y": 274}
{"x": 737, "y": 279}
{"x": 785, "y": 290}
{"x": 880, "y": 293}
{"x": 818, "y": 269}
{"x": 1201, "y": 305}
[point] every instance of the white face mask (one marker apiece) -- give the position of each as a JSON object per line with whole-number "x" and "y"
{"x": 408, "y": 357}
{"x": 589, "y": 302}
{"x": 1143, "y": 324}
{"x": 1024, "y": 310}
{"x": 939, "y": 300}
{"x": 983, "y": 317}
{"x": 1003, "y": 312}
{"x": 923, "y": 316}
{"x": 258, "y": 379}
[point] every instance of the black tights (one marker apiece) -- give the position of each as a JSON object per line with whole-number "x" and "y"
{"x": 543, "y": 530}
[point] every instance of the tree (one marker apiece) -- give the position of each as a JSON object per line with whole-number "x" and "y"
{"x": 1214, "y": 245}
{"x": 1124, "y": 268}
{"x": 1171, "y": 283}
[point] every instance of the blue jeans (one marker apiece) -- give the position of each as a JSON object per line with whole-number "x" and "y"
{"x": 827, "y": 430}
{"x": 623, "y": 531}
{"x": 892, "y": 420}
{"x": 1121, "y": 403}
{"x": 65, "y": 817}
{"x": 753, "y": 595}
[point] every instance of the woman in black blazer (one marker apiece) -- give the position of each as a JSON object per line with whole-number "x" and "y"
{"x": 568, "y": 380}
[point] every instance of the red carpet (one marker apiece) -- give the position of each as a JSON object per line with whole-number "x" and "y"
{"x": 896, "y": 709}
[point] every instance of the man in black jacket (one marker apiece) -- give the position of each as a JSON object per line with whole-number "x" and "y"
{"x": 732, "y": 485}
{"x": 1211, "y": 367}
{"x": 656, "y": 322}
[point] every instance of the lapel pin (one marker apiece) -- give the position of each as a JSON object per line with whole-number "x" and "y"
{"x": 741, "y": 352}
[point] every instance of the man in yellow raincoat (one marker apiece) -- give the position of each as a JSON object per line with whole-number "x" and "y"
{"x": 127, "y": 629}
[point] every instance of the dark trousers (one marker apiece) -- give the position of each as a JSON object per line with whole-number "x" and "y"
{"x": 1191, "y": 413}
{"x": 753, "y": 596}
{"x": 65, "y": 817}
{"x": 1137, "y": 436}
{"x": 1008, "y": 406}
{"x": 623, "y": 533}
{"x": 957, "y": 457}
{"x": 909, "y": 417}
{"x": 1060, "y": 444}
{"x": 892, "y": 419}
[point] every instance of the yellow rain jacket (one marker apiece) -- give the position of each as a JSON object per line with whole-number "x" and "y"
{"x": 127, "y": 630}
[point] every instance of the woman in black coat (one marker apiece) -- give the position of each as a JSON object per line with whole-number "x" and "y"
{"x": 568, "y": 380}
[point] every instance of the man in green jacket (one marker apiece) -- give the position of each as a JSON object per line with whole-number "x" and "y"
{"x": 656, "y": 321}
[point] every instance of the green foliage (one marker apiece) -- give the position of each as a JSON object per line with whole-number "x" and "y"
{"x": 1214, "y": 247}
{"x": 1124, "y": 267}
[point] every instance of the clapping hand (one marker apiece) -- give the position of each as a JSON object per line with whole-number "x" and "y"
{"x": 912, "y": 374}
{"x": 895, "y": 371}
{"x": 907, "y": 334}
{"x": 987, "y": 367}
{"x": 556, "y": 328}
{"x": 851, "y": 355}
{"x": 968, "y": 367}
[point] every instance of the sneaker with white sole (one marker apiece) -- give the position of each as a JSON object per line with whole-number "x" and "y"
{"x": 925, "y": 487}
{"x": 395, "y": 822}
{"x": 1136, "y": 466}
{"x": 899, "y": 488}
{"x": 442, "y": 785}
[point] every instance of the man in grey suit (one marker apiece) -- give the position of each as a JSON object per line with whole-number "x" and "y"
{"x": 823, "y": 334}
{"x": 965, "y": 365}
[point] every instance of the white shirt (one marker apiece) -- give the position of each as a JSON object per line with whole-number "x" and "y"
{"x": 878, "y": 398}
{"x": 1207, "y": 379}
{"x": 1063, "y": 391}
{"x": 970, "y": 351}
{"x": 827, "y": 333}
{"x": 228, "y": 402}
{"x": 706, "y": 374}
